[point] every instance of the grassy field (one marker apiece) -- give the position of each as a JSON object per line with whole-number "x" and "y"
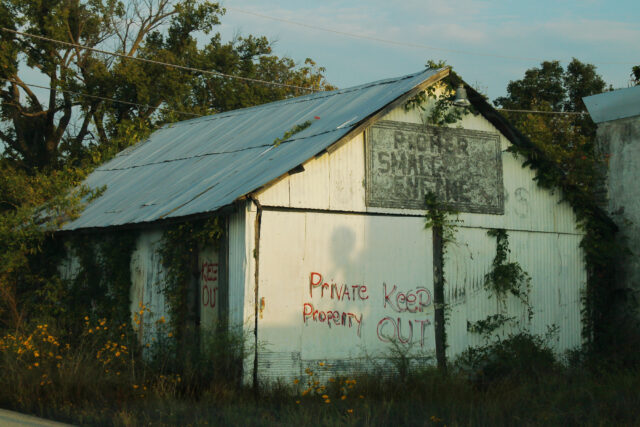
{"x": 101, "y": 380}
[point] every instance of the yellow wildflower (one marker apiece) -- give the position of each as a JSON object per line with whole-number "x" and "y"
{"x": 327, "y": 401}
{"x": 350, "y": 411}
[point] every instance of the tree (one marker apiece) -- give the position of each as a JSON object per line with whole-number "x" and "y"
{"x": 50, "y": 143}
{"x": 71, "y": 128}
{"x": 635, "y": 75}
{"x": 567, "y": 139}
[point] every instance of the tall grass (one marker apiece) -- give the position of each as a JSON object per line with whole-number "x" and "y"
{"x": 103, "y": 378}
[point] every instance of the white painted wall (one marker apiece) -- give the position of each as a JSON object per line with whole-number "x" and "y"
{"x": 322, "y": 289}
{"x": 317, "y": 222}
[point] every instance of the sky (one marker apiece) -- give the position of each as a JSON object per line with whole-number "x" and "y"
{"x": 489, "y": 43}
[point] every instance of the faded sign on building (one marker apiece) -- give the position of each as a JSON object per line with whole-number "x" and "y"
{"x": 405, "y": 161}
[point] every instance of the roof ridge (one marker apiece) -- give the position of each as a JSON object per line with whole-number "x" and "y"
{"x": 288, "y": 101}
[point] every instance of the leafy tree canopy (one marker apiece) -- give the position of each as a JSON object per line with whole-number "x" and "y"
{"x": 44, "y": 133}
{"x": 567, "y": 139}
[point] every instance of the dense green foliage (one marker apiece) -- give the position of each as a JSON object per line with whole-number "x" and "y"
{"x": 507, "y": 277}
{"x": 518, "y": 380}
{"x": 179, "y": 253}
{"x": 75, "y": 129}
{"x": 49, "y": 147}
{"x": 635, "y": 75}
{"x": 564, "y": 157}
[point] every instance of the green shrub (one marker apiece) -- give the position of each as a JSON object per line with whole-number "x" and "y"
{"x": 522, "y": 355}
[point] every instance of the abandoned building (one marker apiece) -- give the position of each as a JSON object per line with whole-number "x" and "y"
{"x": 617, "y": 114}
{"x": 326, "y": 255}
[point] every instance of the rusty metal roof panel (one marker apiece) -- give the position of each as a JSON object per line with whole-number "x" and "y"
{"x": 203, "y": 164}
{"x": 614, "y": 105}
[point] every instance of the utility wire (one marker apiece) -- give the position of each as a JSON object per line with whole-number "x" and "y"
{"x": 151, "y": 61}
{"x": 407, "y": 44}
{"x": 578, "y": 113}
{"x": 200, "y": 115}
{"x": 101, "y": 98}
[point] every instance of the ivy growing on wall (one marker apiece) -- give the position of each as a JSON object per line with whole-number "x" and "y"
{"x": 178, "y": 250}
{"x": 503, "y": 279}
{"x": 441, "y": 112}
{"x": 507, "y": 277}
{"x": 101, "y": 286}
{"x": 602, "y": 297}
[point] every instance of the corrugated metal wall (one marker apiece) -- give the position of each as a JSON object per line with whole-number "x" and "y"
{"x": 317, "y": 222}
{"x": 323, "y": 282}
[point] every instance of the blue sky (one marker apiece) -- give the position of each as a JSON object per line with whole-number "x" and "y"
{"x": 604, "y": 33}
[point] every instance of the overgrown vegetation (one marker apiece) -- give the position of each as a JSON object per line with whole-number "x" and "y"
{"x": 507, "y": 277}
{"x": 294, "y": 130}
{"x": 516, "y": 380}
{"x": 179, "y": 250}
{"x": 441, "y": 112}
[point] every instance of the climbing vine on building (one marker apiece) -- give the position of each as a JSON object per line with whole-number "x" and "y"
{"x": 507, "y": 277}
{"x": 503, "y": 279}
{"x": 179, "y": 250}
{"x": 100, "y": 287}
{"x": 436, "y": 102}
{"x": 602, "y": 296}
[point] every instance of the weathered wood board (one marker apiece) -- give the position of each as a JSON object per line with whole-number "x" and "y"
{"x": 405, "y": 161}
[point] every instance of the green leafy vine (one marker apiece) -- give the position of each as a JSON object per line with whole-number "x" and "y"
{"x": 507, "y": 277}
{"x": 294, "y": 130}
{"x": 602, "y": 294}
{"x": 489, "y": 325}
{"x": 442, "y": 112}
{"x": 101, "y": 286}
{"x": 179, "y": 250}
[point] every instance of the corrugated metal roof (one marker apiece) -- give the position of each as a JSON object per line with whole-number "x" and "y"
{"x": 204, "y": 164}
{"x": 614, "y": 105}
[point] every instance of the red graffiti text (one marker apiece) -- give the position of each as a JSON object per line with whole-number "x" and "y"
{"x": 209, "y": 280}
{"x": 209, "y": 272}
{"x": 331, "y": 317}
{"x": 209, "y": 296}
{"x": 411, "y": 301}
{"x": 335, "y": 291}
{"x": 390, "y": 329}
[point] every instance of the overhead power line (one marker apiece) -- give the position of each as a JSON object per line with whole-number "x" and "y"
{"x": 102, "y": 98}
{"x": 577, "y": 113}
{"x": 151, "y": 61}
{"x": 200, "y": 115}
{"x": 406, "y": 44}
